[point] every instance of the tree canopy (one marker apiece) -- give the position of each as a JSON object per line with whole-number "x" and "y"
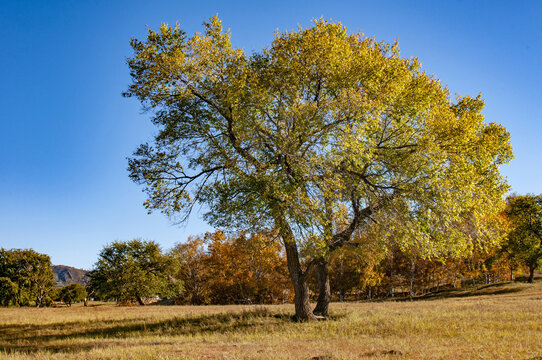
{"x": 313, "y": 136}
{"x": 220, "y": 269}
{"x": 26, "y": 276}
{"x": 525, "y": 239}
{"x": 132, "y": 270}
{"x": 72, "y": 293}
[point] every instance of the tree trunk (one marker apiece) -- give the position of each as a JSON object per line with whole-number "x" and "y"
{"x": 324, "y": 291}
{"x": 412, "y": 274}
{"x": 392, "y": 290}
{"x": 303, "y": 311}
{"x": 39, "y": 298}
{"x": 531, "y": 274}
{"x": 322, "y": 273}
{"x": 139, "y": 300}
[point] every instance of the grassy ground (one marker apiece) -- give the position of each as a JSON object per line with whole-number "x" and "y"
{"x": 502, "y": 321}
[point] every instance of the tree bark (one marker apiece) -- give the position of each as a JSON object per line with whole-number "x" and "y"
{"x": 412, "y": 274}
{"x": 322, "y": 273}
{"x": 531, "y": 274}
{"x": 392, "y": 289}
{"x": 303, "y": 311}
{"x": 324, "y": 291}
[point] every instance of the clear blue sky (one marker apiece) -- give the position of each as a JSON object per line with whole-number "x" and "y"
{"x": 65, "y": 130}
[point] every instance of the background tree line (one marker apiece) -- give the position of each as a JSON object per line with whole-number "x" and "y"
{"x": 242, "y": 268}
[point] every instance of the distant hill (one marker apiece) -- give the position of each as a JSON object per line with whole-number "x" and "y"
{"x": 65, "y": 275}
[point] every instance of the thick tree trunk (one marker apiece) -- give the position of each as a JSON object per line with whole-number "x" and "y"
{"x": 303, "y": 311}
{"x": 322, "y": 273}
{"x": 531, "y": 274}
{"x": 324, "y": 291}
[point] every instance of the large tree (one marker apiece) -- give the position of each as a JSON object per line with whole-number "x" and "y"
{"x": 32, "y": 274}
{"x": 524, "y": 243}
{"x": 312, "y": 136}
{"x": 132, "y": 270}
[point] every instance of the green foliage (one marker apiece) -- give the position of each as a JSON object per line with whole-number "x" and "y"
{"x": 320, "y": 114}
{"x": 8, "y": 292}
{"x": 72, "y": 293}
{"x": 525, "y": 239}
{"x": 313, "y": 136}
{"x": 130, "y": 270}
{"x": 32, "y": 274}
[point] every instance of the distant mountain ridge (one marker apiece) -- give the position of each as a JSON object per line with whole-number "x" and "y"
{"x": 65, "y": 275}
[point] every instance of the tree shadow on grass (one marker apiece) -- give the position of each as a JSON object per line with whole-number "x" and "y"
{"x": 62, "y": 337}
{"x": 492, "y": 289}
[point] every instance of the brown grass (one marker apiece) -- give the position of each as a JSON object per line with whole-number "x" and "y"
{"x": 502, "y": 321}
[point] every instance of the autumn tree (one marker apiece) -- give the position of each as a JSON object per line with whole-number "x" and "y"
{"x": 525, "y": 239}
{"x": 245, "y": 269}
{"x": 189, "y": 259}
{"x": 312, "y": 136}
{"x": 240, "y": 268}
{"x": 133, "y": 269}
{"x": 355, "y": 269}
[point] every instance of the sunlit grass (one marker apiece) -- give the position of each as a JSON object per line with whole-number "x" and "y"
{"x": 500, "y": 321}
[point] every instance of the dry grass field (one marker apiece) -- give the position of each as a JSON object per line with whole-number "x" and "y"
{"x": 502, "y": 321}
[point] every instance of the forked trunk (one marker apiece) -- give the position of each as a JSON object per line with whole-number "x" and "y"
{"x": 324, "y": 291}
